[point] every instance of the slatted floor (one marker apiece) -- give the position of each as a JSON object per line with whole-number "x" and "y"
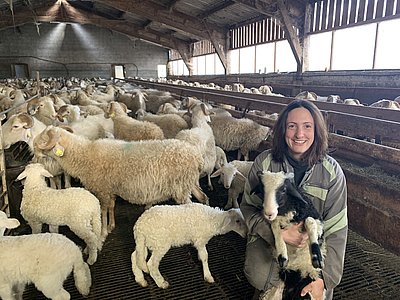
{"x": 370, "y": 271}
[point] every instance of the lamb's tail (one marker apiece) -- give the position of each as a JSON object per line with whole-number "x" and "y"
{"x": 82, "y": 276}
{"x": 96, "y": 223}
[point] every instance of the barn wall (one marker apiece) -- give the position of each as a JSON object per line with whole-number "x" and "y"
{"x": 367, "y": 86}
{"x": 77, "y": 50}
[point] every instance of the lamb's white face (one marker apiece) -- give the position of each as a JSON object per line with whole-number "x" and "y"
{"x": 272, "y": 182}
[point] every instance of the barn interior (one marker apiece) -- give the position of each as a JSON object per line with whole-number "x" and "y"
{"x": 126, "y": 43}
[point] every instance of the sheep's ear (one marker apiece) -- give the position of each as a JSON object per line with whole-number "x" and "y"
{"x": 46, "y": 173}
{"x": 216, "y": 173}
{"x": 21, "y": 176}
{"x": 58, "y": 150}
{"x": 6, "y": 222}
{"x": 240, "y": 176}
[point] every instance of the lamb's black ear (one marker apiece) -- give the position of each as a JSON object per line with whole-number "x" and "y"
{"x": 293, "y": 191}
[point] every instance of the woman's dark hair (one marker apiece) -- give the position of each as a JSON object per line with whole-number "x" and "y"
{"x": 320, "y": 145}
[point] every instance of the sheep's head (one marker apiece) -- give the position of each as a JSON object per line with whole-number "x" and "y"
{"x": 17, "y": 128}
{"x": 235, "y": 222}
{"x": 273, "y": 190}
{"x": 228, "y": 172}
{"x": 35, "y": 169}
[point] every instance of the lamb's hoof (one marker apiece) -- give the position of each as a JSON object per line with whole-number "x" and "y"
{"x": 316, "y": 256}
{"x": 90, "y": 261}
{"x": 282, "y": 261}
{"x": 163, "y": 285}
{"x": 209, "y": 279}
{"x": 142, "y": 283}
{"x": 110, "y": 228}
{"x": 317, "y": 262}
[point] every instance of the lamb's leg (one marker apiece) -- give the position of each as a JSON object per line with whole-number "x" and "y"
{"x": 67, "y": 180}
{"x": 104, "y": 215}
{"x": 154, "y": 263}
{"x": 36, "y": 227}
{"x": 6, "y": 292}
{"x": 19, "y": 291}
{"x": 53, "y": 228}
{"x": 91, "y": 242}
{"x": 203, "y": 256}
{"x": 313, "y": 231}
{"x": 137, "y": 272}
{"x": 274, "y": 293}
{"x": 199, "y": 194}
{"x": 52, "y": 288}
{"x": 111, "y": 208}
{"x": 210, "y": 186}
{"x": 280, "y": 245}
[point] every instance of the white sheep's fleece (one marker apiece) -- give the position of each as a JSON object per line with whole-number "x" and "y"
{"x": 44, "y": 259}
{"x": 179, "y": 225}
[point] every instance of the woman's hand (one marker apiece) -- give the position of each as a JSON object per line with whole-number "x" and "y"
{"x": 314, "y": 289}
{"x": 293, "y": 235}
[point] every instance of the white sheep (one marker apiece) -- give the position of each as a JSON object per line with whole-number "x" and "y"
{"x": 129, "y": 129}
{"x": 170, "y": 124}
{"x": 75, "y": 207}
{"x": 43, "y": 109}
{"x": 133, "y": 101}
{"x": 145, "y": 172}
{"x": 243, "y": 134}
{"x": 283, "y": 206}
{"x": 220, "y": 159}
{"x": 165, "y": 226}
{"x": 384, "y": 103}
{"x": 91, "y": 126}
{"x": 234, "y": 176}
{"x": 202, "y": 137}
{"x": 44, "y": 259}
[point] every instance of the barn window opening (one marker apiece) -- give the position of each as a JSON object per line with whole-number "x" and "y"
{"x": 119, "y": 71}
{"x": 20, "y": 70}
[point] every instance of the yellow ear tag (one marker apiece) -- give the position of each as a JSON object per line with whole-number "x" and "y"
{"x": 112, "y": 115}
{"x": 58, "y": 151}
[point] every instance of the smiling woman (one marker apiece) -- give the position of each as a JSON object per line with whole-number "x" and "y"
{"x": 300, "y": 145}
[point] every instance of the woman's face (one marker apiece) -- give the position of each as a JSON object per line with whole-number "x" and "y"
{"x": 299, "y": 131}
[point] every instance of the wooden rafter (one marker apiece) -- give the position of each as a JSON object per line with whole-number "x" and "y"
{"x": 215, "y": 9}
{"x": 162, "y": 14}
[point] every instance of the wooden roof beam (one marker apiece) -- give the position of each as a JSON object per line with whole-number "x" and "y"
{"x": 162, "y": 14}
{"x": 215, "y": 9}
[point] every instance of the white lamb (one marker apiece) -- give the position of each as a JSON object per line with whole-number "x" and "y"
{"x": 234, "y": 176}
{"x": 165, "y": 226}
{"x": 75, "y": 207}
{"x": 44, "y": 259}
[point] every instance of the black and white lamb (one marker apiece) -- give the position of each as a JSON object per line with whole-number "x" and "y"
{"x": 284, "y": 206}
